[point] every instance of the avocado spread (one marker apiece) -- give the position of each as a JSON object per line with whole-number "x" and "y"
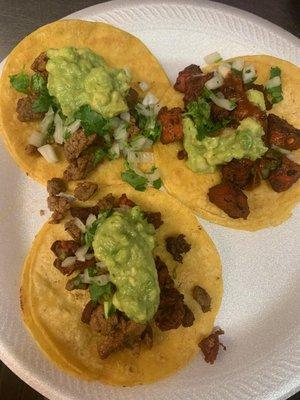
{"x": 80, "y": 76}
{"x": 256, "y": 97}
{"x": 204, "y": 155}
{"x": 125, "y": 243}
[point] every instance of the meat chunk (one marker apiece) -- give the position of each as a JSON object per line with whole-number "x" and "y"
{"x": 202, "y": 298}
{"x": 133, "y": 129}
{"x": 83, "y": 212}
{"x": 188, "y": 318}
{"x": 25, "y": 111}
{"x": 39, "y": 64}
{"x": 164, "y": 278}
{"x": 246, "y": 109}
{"x": 132, "y": 98}
{"x": 230, "y": 199}
{"x": 31, "y": 150}
{"x": 64, "y": 248}
{"x": 177, "y": 246}
{"x": 218, "y": 113}
{"x": 285, "y": 176}
{"x": 210, "y": 346}
{"x": 184, "y": 75}
{"x": 147, "y": 336}
{"x": 238, "y": 172}
{"x": 59, "y": 205}
{"x": 280, "y": 133}
{"x": 107, "y": 203}
{"x": 79, "y": 266}
{"x": 73, "y": 230}
{"x": 78, "y": 142}
{"x": 233, "y": 87}
{"x": 182, "y": 155}
{"x": 56, "y": 186}
{"x": 194, "y": 87}
{"x": 171, "y": 311}
{"x": 87, "y": 312}
{"x": 80, "y": 168}
{"x": 85, "y": 190}
{"x": 171, "y": 122}
{"x": 74, "y": 283}
{"x": 154, "y": 218}
{"x": 125, "y": 201}
{"x": 103, "y": 325}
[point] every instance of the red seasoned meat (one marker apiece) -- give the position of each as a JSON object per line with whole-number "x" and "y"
{"x": 125, "y": 201}
{"x": 154, "y": 218}
{"x": 177, "y": 246}
{"x": 171, "y": 122}
{"x": 238, "y": 172}
{"x": 280, "y": 133}
{"x": 185, "y": 75}
{"x": 285, "y": 176}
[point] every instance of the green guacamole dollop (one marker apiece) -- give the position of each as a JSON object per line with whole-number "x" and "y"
{"x": 125, "y": 243}
{"x": 256, "y": 97}
{"x": 80, "y": 76}
{"x": 204, "y": 155}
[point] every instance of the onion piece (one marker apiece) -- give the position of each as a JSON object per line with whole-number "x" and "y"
{"x": 68, "y": 262}
{"x": 238, "y": 65}
{"x": 150, "y": 99}
{"x": 121, "y": 133}
{"x": 90, "y": 220}
{"x": 36, "y": 139}
{"x": 154, "y": 176}
{"x": 48, "y": 152}
{"x": 101, "y": 265}
{"x": 68, "y": 196}
{"x": 81, "y": 252}
{"x": 79, "y": 224}
{"x": 47, "y": 120}
{"x": 145, "y": 157}
{"x": 213, "y": 58}
{"x": 114, "y": 151}
{"x": 89, "y": 256}
{"x": 282, "y": 151}
{"x": 115, "y": 122}
{"x": 100, "y": 279}
{"x": 125, "y": 116}
{"x": 249, "y": 73}
{"x": 224, "y": 69}
{"x": 143, "y": 110}
{"x": 144, "y": 86}
{"x": 58, "y": 132}
{"x": 130, "y": 155}
{"x": 274, "y": 82}
{"x": 222, "y": 102}
{"x": 141, "y": 143}
{"x": 215, "y": 82}
{"x": 73, "y": 127}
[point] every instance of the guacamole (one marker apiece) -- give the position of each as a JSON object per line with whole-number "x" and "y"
{"x": 204, "y": 155}
{"x": 256, "y": 97}
{"x": 80, "y": 76}
{"x": 125, "y": 243}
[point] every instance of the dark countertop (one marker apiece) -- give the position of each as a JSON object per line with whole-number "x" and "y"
{"x": 20, "y": 17}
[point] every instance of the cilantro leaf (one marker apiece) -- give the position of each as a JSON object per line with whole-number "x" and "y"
{"x": 157, "y": 184}
{"x": 43, "y": 102}
{"x": 275, "y": 93}
{"x": 20, "y": 82}
{"x": 91, "y": 121}
{"x": 137, "y": 181}
{"x": 99, "y": 155}
{"x": 91, "y": 230}
{"x": 97, "y": 291}
{"x": 275, "y": 71}
{"x": 38, "y": 83}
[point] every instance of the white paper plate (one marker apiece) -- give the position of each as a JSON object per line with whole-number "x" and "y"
{"x": 261, "y": 308}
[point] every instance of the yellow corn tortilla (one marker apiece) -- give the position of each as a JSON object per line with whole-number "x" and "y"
{"x": 52, "y": 314}
{"x": 267, "y": 208}
{"x": 119, "y": 49}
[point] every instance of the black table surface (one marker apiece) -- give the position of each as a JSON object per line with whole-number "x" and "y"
{"x": 20, "y": 17}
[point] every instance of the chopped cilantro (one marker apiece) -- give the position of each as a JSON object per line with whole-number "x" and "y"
{"x": 157, "y": 183}
{"x": 149, "y": 126}
{"x": 20, "y": 82}
{"x": 43, "y": 102}
{"x": 91, "y": 121}
{"x": 137, "y": 181}
{"x": 38, "y": 83}
{"x": 275, "y": 71}
{"x": 91, "y": 230}
{"x": 97, "y": 291}
{"x": 100, "y": 155}
{"x": 275, "y": 93}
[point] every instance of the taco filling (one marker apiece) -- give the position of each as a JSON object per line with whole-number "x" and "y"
{"x": 92, "y": 111}
{"x": 227, "y": 125}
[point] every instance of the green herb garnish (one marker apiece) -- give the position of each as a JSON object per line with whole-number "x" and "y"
{"x": 20, "y": 82}
{"x": 91, "y": 121}
{"x": 137, "y": 181}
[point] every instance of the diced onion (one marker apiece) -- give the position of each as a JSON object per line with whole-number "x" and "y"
{"x": 215, "y": 82}
{"x": 47, "y": 120}
{"x": 144, "y": 86}
{"x": 141, "y": 143}
{"x": 68, "y": 262}
{"x": 68, "y": 196}
{"x": 274, "y": 82}
{"x": 36, "y": 139}
{"x": 224, "y": 69}
{"x": 213, "y": 58}
{"x": 120, "y": 133}
{"x": 48, "y": 152}
{"x": 81, "y": 252}
{"x": 73, "y": 127}
{"x": 145, "y": 157}
{"x": 150, "y": 99}
{"x": 58, "y": 132}
{"x": 90, "y": 220}
{"x": 143, "y": 110}
{"x": 101, "y": 279}
{"x": 89, "y": 256}
{"x": 100, "y": 264}
{"x": 114, "y": 151}
{"x": 223, "y": 103}
{"x": 79, "y": 224}
{"x": 115, "y": 122}
{"x": 125, "y": 116}
{"x": 238, "y": 65}
{"x": 282, "y": 151}
{"x": 249, "y": 73}
{"x": 127, "y": 71}
{"x": 130, "y": 155}
{"x": 154, "y": 176}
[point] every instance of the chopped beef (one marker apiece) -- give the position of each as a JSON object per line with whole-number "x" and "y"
{"x": 78, "y": 142}
{"x": 147, "y": 336}
{"x": 177, "y": 246}
{"x": 188, "y": 318}
{"x": 81, "y": 167}
{"x": 218, "y": 113}
{"x": 230, "y": 199}
{"x": 83, "y": 212}
{"x": 79, "y": 266}
{"x": 280, "y": 133}
{"x": 56, "y": 186}
{"x": 202, "y": 298}
{"x": 182, "y": 155}
{"x": 73, "y": 230}
{"x": 59, "y": 205}
{"x": 132, "y": 129}
{"x": 233, "y": 87}
{"x": 164, "y": 278}
{"x": 171, "y": 121}
{"x": 194, "y": 86}
{"x": 85, "y": 190}
{"x": 87, "y": 312}
{"x": 170, "y": 313}
{"x": 238, "y": 172}
{"x": 31, "y": 150}
{"x": 74, "y": 284}
{"x": 107, "y": 203}
{"x": 185, "y": 75}
{"x": 285, "y": 176}
{"x": 154, "y": 218}
{"x": 262, "y": 89}
{"x": 39, "y": 65}
{"x": 210, "y": 346}
{"x": 246, "y": 109}
{"x": 132, "y": 98}
{"x": 270, "y": 161}
{"x": 124, "y": 201}
{"x": 64, "y": 248}
{"x": 25, "y": 111}
{"x": 103, "y": 325}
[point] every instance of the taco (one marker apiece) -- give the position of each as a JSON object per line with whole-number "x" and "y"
{"x": 77, "y": 94}
{"x": 230, "y": 141}
{"x": 137, "y": 287}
